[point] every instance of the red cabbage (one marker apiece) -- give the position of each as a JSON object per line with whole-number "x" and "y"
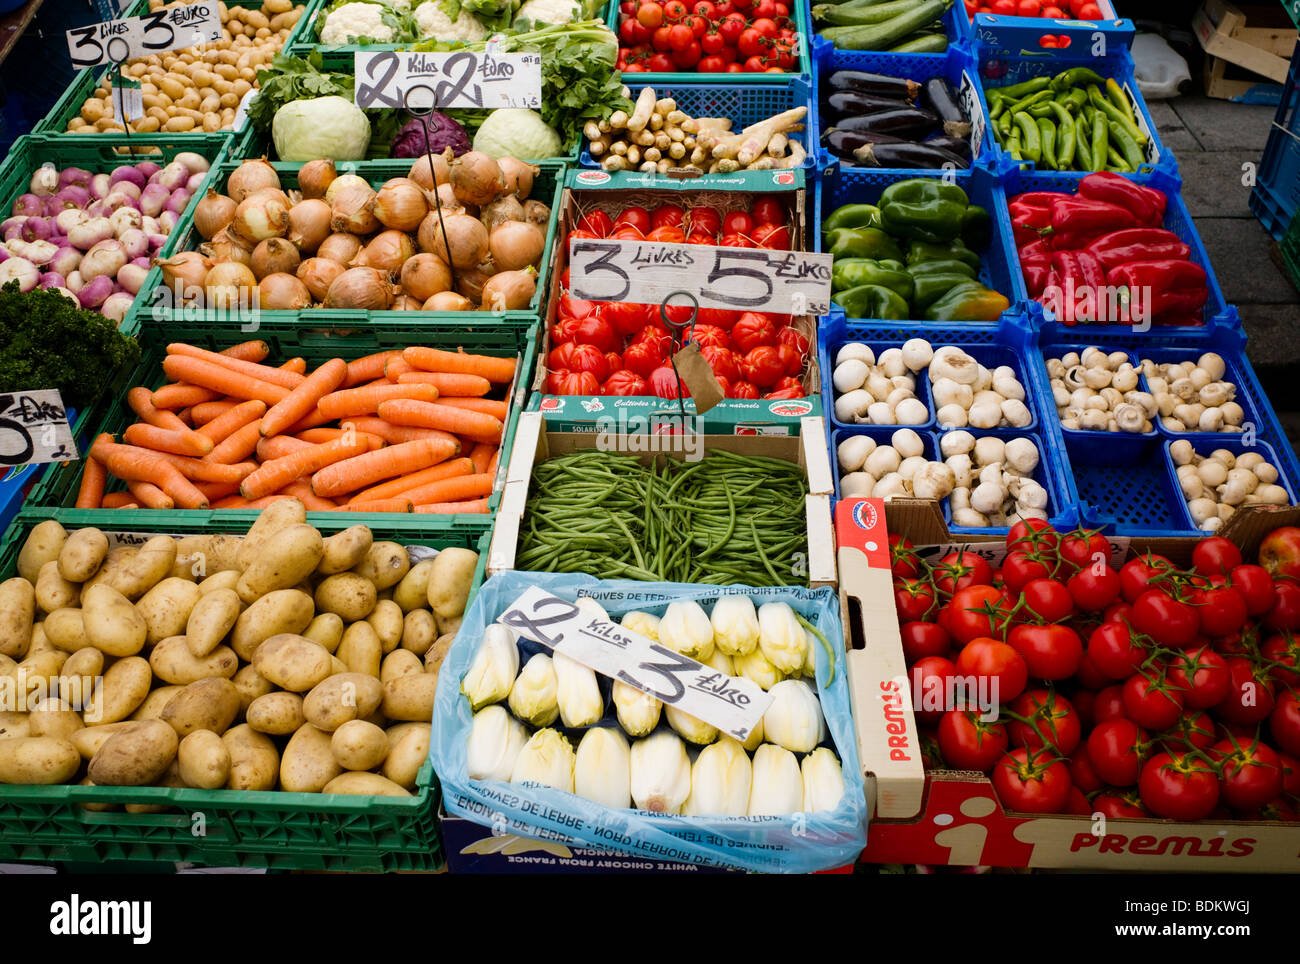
{"x": 444, "y": 132}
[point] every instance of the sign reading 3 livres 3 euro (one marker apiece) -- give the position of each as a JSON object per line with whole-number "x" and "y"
{"x": 463, "y": 78}
{"x": 116, "y": 41}
{"x": 740, "y": 279}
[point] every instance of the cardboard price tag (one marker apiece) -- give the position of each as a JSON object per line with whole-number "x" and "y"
{"x": 34, "y": 428}
{"x": 464, "y": 78}
{"x": 116, "y": 41}
{"x": 734, "y": 705}
{"x": 970, "y": 103}
{"x": 739, "y": 279}
{"x": 697, "y": 375}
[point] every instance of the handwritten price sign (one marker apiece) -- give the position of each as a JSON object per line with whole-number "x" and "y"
{"x": 732, "y": 704}
{"x": 115, "y": 41}
{"x": 34, "y": 428}
{"x": 466, "y": 78}
{"x": 739, "y": 279}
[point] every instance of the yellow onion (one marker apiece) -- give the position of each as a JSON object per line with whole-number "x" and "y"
{"x": 213, "y": 213}
{"x": 342, "y": 182}
{"x": 477, "y": 178}
{"x": 470, "y": 282}
{"x": 341, "y": 247}
{"x": 315, "y": 177}
{"x": 318, "y": 274}
{"x": 249, "y": 177}
{"x": 519, "y": 176}
{"x": 425, "y": 176}
{"x": 387, "y": 251}
{"x": 364, "y": 288}
{"x": 400, "y": 204}
{"x": 224, "y": 247}
{"x": 350, "y": 210}
{"x": 516, "y": 245}
{"x": 424, "y": 276}
{"x": 259, "y": 217}
{"x": 283, "y": 292}
{"x": 227, "y": 284}
{"x": 186, "y": 270}
{"x": 450, "y": 205}
{"x": 509, "y": 290}
{"x": 466, "y": 240}
{"x": 407, "y": 303}
{"x": 309, "y": 224}
{"x": 448, "y": 301}
{"x": 274, "y": 256}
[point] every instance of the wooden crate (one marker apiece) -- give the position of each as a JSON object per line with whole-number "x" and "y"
{"x": 1257, "y": 38}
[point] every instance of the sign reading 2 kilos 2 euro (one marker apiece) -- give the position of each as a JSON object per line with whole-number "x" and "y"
{"x": 116, "y": 41}
{"x": 463, "y": 78}
{"x": 738, "y": 279}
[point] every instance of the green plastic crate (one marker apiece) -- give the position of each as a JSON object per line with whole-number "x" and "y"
{"x": 547, "y": 187}
{"x": 277, "y": 830}
{"x": 57, "y": 489}
{"x": 69, "y": 105}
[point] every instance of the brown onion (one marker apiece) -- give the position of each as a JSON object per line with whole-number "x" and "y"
{"x": 350, "y": 210}
{"x": 516, "y": 244}
{"x": 249, "y": 177}
{"x": 213, "y": 213}
{"x": 365, "y": 288}
{"x": 315, "y": 177}
{"x": 465, "y": 242}
{"x": 341, "y": 247}
{"x": 519, "y": 176}
{"x": 228, "y": 285}
{"x": 501, "y": 210}
{"x": 407, "y": 303}
{"x": 309, "y": 224}
{"x": 425, "y": 176}
{"x": 400, "y": 204}
{"x": 477, "y": 178}
{"x": 448, "y": 301}
{"x": 535, "y": 212}
{"x": 224, "y": 247}
{"x": 259, "y": 217}
{"x": 283, "y": 292}
{"x": 188, "y": 269}
{"x": 387, "y": 251}
{"x": 424, "y": 276}
{"x": 341, "y": 182}
{"x": 470, "y": 283}
{"x": 274, "y": 256}
{"x": 509, "y": 290}
{"x": 318, "y": 274}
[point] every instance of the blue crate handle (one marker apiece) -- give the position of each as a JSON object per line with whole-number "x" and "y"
{"x": 1019, "y": 36}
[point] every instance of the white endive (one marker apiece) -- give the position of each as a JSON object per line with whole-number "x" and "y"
{"x": 602, "y": 768}
{"x": 589, "y": 607}
{"x": 494, "y": 668}
{"x": 777, "y": 788}
{"x": 533, "y": 697}
{"x": 577, "y": 692}
{"x": 495, "y": 739}
{"x": 754, "y": 666}
{"x": 794, "y": 719}
{"x": 638, "y": 712}
{"x": 810, "y": 655}
{"x": 781, "y": 638}
{"x": 690, "y": 728}
{"x": 546, "y": 758}
{"x": 686, "y": 629}
{"x": 661, "y": 773}
{"x": 720, "y": 780}
{"x": 735, "y": 625}
{"x": 755, "y": 739}
{"x": 721, "y": 662}
{"x": 643, "y": 623}
{"x": 823, "y": 780}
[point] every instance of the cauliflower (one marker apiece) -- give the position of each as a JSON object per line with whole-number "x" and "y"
{"x": 434, "y": 24}
{"x": 352, "y": 20}
{"x": 549, "y": 11}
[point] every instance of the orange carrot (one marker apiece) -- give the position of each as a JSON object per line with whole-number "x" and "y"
{"x": 182, "y": 395}
{"x": 301, "y": 490}
{"x": 393, "y": 434}
{"x": 363, "y": 470}
{"x": 452, "y": 490}
{"x": 217, "y": 490}
{"x": 199, "y": 470}
{"x": 366, "y": 400}
{"x": 186, "y": 415}
{"x": 300, "y": 402}
{"x": 396, "y": 367}
{"x": 139, "y": 401}
{"x": 265, "y": 373}
{"x": 481, "y": 455}
{"x": 312, "y": 420}
{"x": 249, "y": 351}
{"x": 237, "y": 446}
{"x": 205, "y": 412}
{"x": 93, "y": 477}
{"x": 183, "y": 442}
{"x": 280, "y": 446}
{"x": 317, "y": 435}
{"x": 492, "y": 368}
{"x": 487, "y": 406}
{"x": 296, "y": 365}
{"x": 150, "y": 496}
{"x": 448, "y": 383}
{"x": 379, "y": 505}
{"x": 472, "y": 425}
{"x": 277, "y": 473}
{"x": 118, "y": 500}
{"x": 496, "y": 460}
{"x": 451, "y": 508}
{"x": 222, "y": 380}
{"x": 434, "y": 473}
{"x": 233, "y": 419}
{"x": 368, "y": 367}
{"x": 133, "y": 464}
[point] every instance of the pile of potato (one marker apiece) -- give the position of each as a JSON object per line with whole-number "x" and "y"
{"x": 196, "y": 88}
{"x": 280, "y": 659}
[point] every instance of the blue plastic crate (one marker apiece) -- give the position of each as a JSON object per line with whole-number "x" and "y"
{"x": 1217, "y": 312}
{"x": 956, "y": 65}
{"x": 1120, "y": 448}
{"x": 1237, "y": 447}
{"x": 999, "y": 267}
{"x": 1276, "y": 196}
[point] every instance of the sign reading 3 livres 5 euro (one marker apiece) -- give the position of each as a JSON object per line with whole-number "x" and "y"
{"x": 740, "y": 279}
{"x": 115, "y": 41}
{"x": 463, "y": 78}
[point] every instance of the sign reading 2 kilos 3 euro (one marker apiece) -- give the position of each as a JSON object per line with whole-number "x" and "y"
{"x": 462, "y": 78}
{"x": 116, "y": 41}
{"x": 733, "y": 704}
{"x": 738, "y": 279}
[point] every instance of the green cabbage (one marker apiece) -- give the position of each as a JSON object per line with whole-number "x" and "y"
{"x": 332, "y": 127}
{"x": 517, "y": 132}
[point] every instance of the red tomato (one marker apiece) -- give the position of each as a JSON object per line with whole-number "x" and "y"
{"x": 1256, "y": 588}
{"x": 1116, "y": 749}
{"x": 737, "y": 222}
{"x": 687, "y": 57}
{"x": 1285, "y": 613}
{"x": 579, "y": 358}
{"x": 597, "y": 222}
{"x": 1202, "y": 674}
{"x": 666, "y": 234}
{"x": 774, "y": 237}
{"x": 1215, "y": 556}
{"x": 752, "y": 330}
{"x": 722, "y": 361}
{"x": 1279, "y": 553}
{"x": 595, "y": 330}
{"x": 1251, "y": 774}
{"x": 791, "y": 360}
{"x": 913, "y": 598}
{"x": 674, "y": 10}
{"x": 650, "y": 15}
{"x": 670, "y": 215}
{"x": 1109, "y": 704}
{"x": 1195, "y": 728}
{"x": 768, "y": 210}
{"x": 1113, "y": 650}
{"x": 1029, "y": 8}
{"x": 970, "y": 743}
{"x": 704, "y": 220}
{"x": 571, "y": 307}
{"x": 712, "y": 44}
{"x": 1152, "y": 702}
{"x": 1029, "y": 782}
{"x": 736, "y": 240}
{"x": 743, "y": 389}
{"x": 710, "y": 335}
{"x": 976, "y": 611}
{"x": 790, "y": 336}
{"x": 1118, "y": 806}
{"x": 732, "y": 26}
{"x": 628, "y": 233}
{"x": 1004, "y": 667}
{"x": 1250, "y": 696}
{"x": 1082, "y": 775}
{"x": 699, "y": 26}
{"x": 1053, "y": 13}
{"x": 1093, "y": 588}
{"x": 931, "y": 687}
{"x": 563, "y": 382}
{"x": 663, "y": 383}
{"x": 627, "y": 319}
{"x": 624, "y": 382}
{"x": 1284, "y": 652}
{"x": 1019, "y": 568}
{"x": 633, "y": 217}
{"x": 1164, "y": 618}
{"x": 1137, "y": 573}
{"x": 762, "y": 366}
{"x": 1089, "y": 11}
{"x": 1048, "y": 600}
{"x": 1222, "y": 610}
{"x": 1178, "y": 786}
{"x": 1089, "y": 676}
{"x": 1052, "y": 722}
{"x": 921, "y": 639}
{"x": 1050, "y": 652}
{"x": 708, "y": 65}
{"x": 903, "y": 559}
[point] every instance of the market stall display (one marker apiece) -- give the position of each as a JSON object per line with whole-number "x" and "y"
{"x": 757, "y": 37}
{"x": 900, "y": 27}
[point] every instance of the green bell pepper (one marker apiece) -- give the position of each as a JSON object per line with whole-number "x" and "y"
{"x": 873, "y": 301}
{"x": 956, "y": 249}
{"x": 969, "y": 301}
{"x": 854, "y": 272}
{"x": 922, "y": 268}
{"x": 863, "y": 243}
{"x": 924, "y": 209}
{"x": 930, "y": 288}
{"x": 852, "y": 216}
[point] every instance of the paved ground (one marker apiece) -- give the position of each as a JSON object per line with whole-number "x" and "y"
{"x": 1214, "y": 140}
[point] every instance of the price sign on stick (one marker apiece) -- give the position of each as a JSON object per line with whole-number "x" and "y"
{"x": 740, "y": 279}
{"x": 34, "y": 428}
{"x": 732, "y": 704}
{"x": 463, "y": 78}
{"x": 116, "y": 41}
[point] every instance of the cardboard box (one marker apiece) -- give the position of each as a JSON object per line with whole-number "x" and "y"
{"x": 1264, "y": 47}
{"x": 954, "y": 817}
{"x": 598, "y": 190}
{"x": 537, "y": 440}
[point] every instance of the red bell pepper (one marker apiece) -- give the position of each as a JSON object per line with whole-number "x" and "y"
{"x": 1030, "y": 214}
{"x": 1036, "y": 279}
{"x": 1037, "y": 253}
{"x": 1147, "y": 204}
{"x": 1138, "y": 244}
{"x": 1081, "y": 215}
{"x": 1156, "y": 288}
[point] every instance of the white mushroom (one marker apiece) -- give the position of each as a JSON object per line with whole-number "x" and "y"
{"x": 1200, "y": 378}
{"x": 891, "y": 362}
{"x": 855, "y": 349}
{"x": 897, "y": 397}
{"x": 1157, "y": 385}
{"x": 911, "y": 411}
{"x": 969, "y": 518}
{"x": 910, "y": 466}
{"x": 881, "y": 462}
{"x": 948, "y": 392}
{"x": 984, "y": 415}
{"x": 987, "y": 396}
{"x": 1226, "y": 457}
{"x": 1212, "y": 524}
{"x": 961, "y": 468}
{"x": 1173, "y": 424}
{"x": 852, "y": 407}
{"x": 1212, "y": 363}
{"x": 1112, "y": 396}
{"x": 952, "y": 416}
{"x": 890, "y": 487}
{"x": 904, "y": 381}
{"x": 1212, "y": 473}
{"x": 1094, "y": 421}
{"x": 934, "y": 481}
{"x": 1182, "y": 452}
{"x": 1211, "y": 420}
{"x": 960, "y": 497}
{"x": 1093, "y": 357}
{"x": 906, "y": 443}
{"x": 1202, "y": 509}
{"x": 1192, "y": 487}
{"x": 1096, "y": 377}
{"x": 880, "y": 413}
{"x": 1247, "y": 460}
{"x": 992, "y": 473}
{"x": 1233, "y": 415}
{"x": 853, "y": 451}
{"x": 1126, "y": 380}
{"x": 1129, "y": 418}
{"x": 987, "y": 497}
{"x": 1070, "y": 358}
{"x": 857, "y": 485}
{"x": 983, "y": 379}
{"x": 1059, "y": 394}
{"x": 1166, "y": 402}
{"x": 1055, "y": 368}
{"x": 1016, "y": 414}
{"x": 1272, "y": 495}
{"x": 1022, "y": 455}
{"x": 1096, "y": 403}
{"x": 958, "y": 366}
{"x": 917, "y": 353}
{"x": 1265, "y": 472}
{"x": 989, "y": 450}
{"x": 1183, "y": 388}
{"x": 1031, "y": 495}
{"x": 879, "y": 386}
{"x": 956, "y": 443}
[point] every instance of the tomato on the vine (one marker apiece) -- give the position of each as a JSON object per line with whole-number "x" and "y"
{"x": 1153, "y": 702}
{"x": 1118, "y": 806}
{"x": 1285, "y": 613}
{"x": 960, "y": 569}
{"x": 1195, "y": 728}
{"x": 1215, "y": 556}
{"x": 969, "y": 742}
{"x": 1019, "y": 568}
{"x": 1004, "y": 667}
{"x": 1093, "y": 588}
{"x": 1114, "y": 651}
{"x": 903, "y": 559}
{"x": 1030, "y": 781}
{"x": 1137, "y": 574}
{"x": 1222, "y": 610}
{"x": 1202, "y": 675}
{"x": 931, "y": 686}
{"x": 913, "y": 598}
{"x": 1048, "y": 599}
{"x": 1052, "y": 722}
{"x": 1116, "y": 749}
{"x": 1084, "y": 547}
{"x": 1251, "y": 773}
{"x": 975, "y": 611}
{"x": 1082, "y": 775}
{"x": 921, "y": 639}
{"x": 1050, "y": 652}
{"x": 1250, "y": 695}
{"x": 1109, "y": 704}
{"x": 1165, "y": 619}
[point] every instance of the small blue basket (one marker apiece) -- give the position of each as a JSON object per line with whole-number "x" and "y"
{"x": 1119, "y": 448}
{"x": 1236, "y": 447}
